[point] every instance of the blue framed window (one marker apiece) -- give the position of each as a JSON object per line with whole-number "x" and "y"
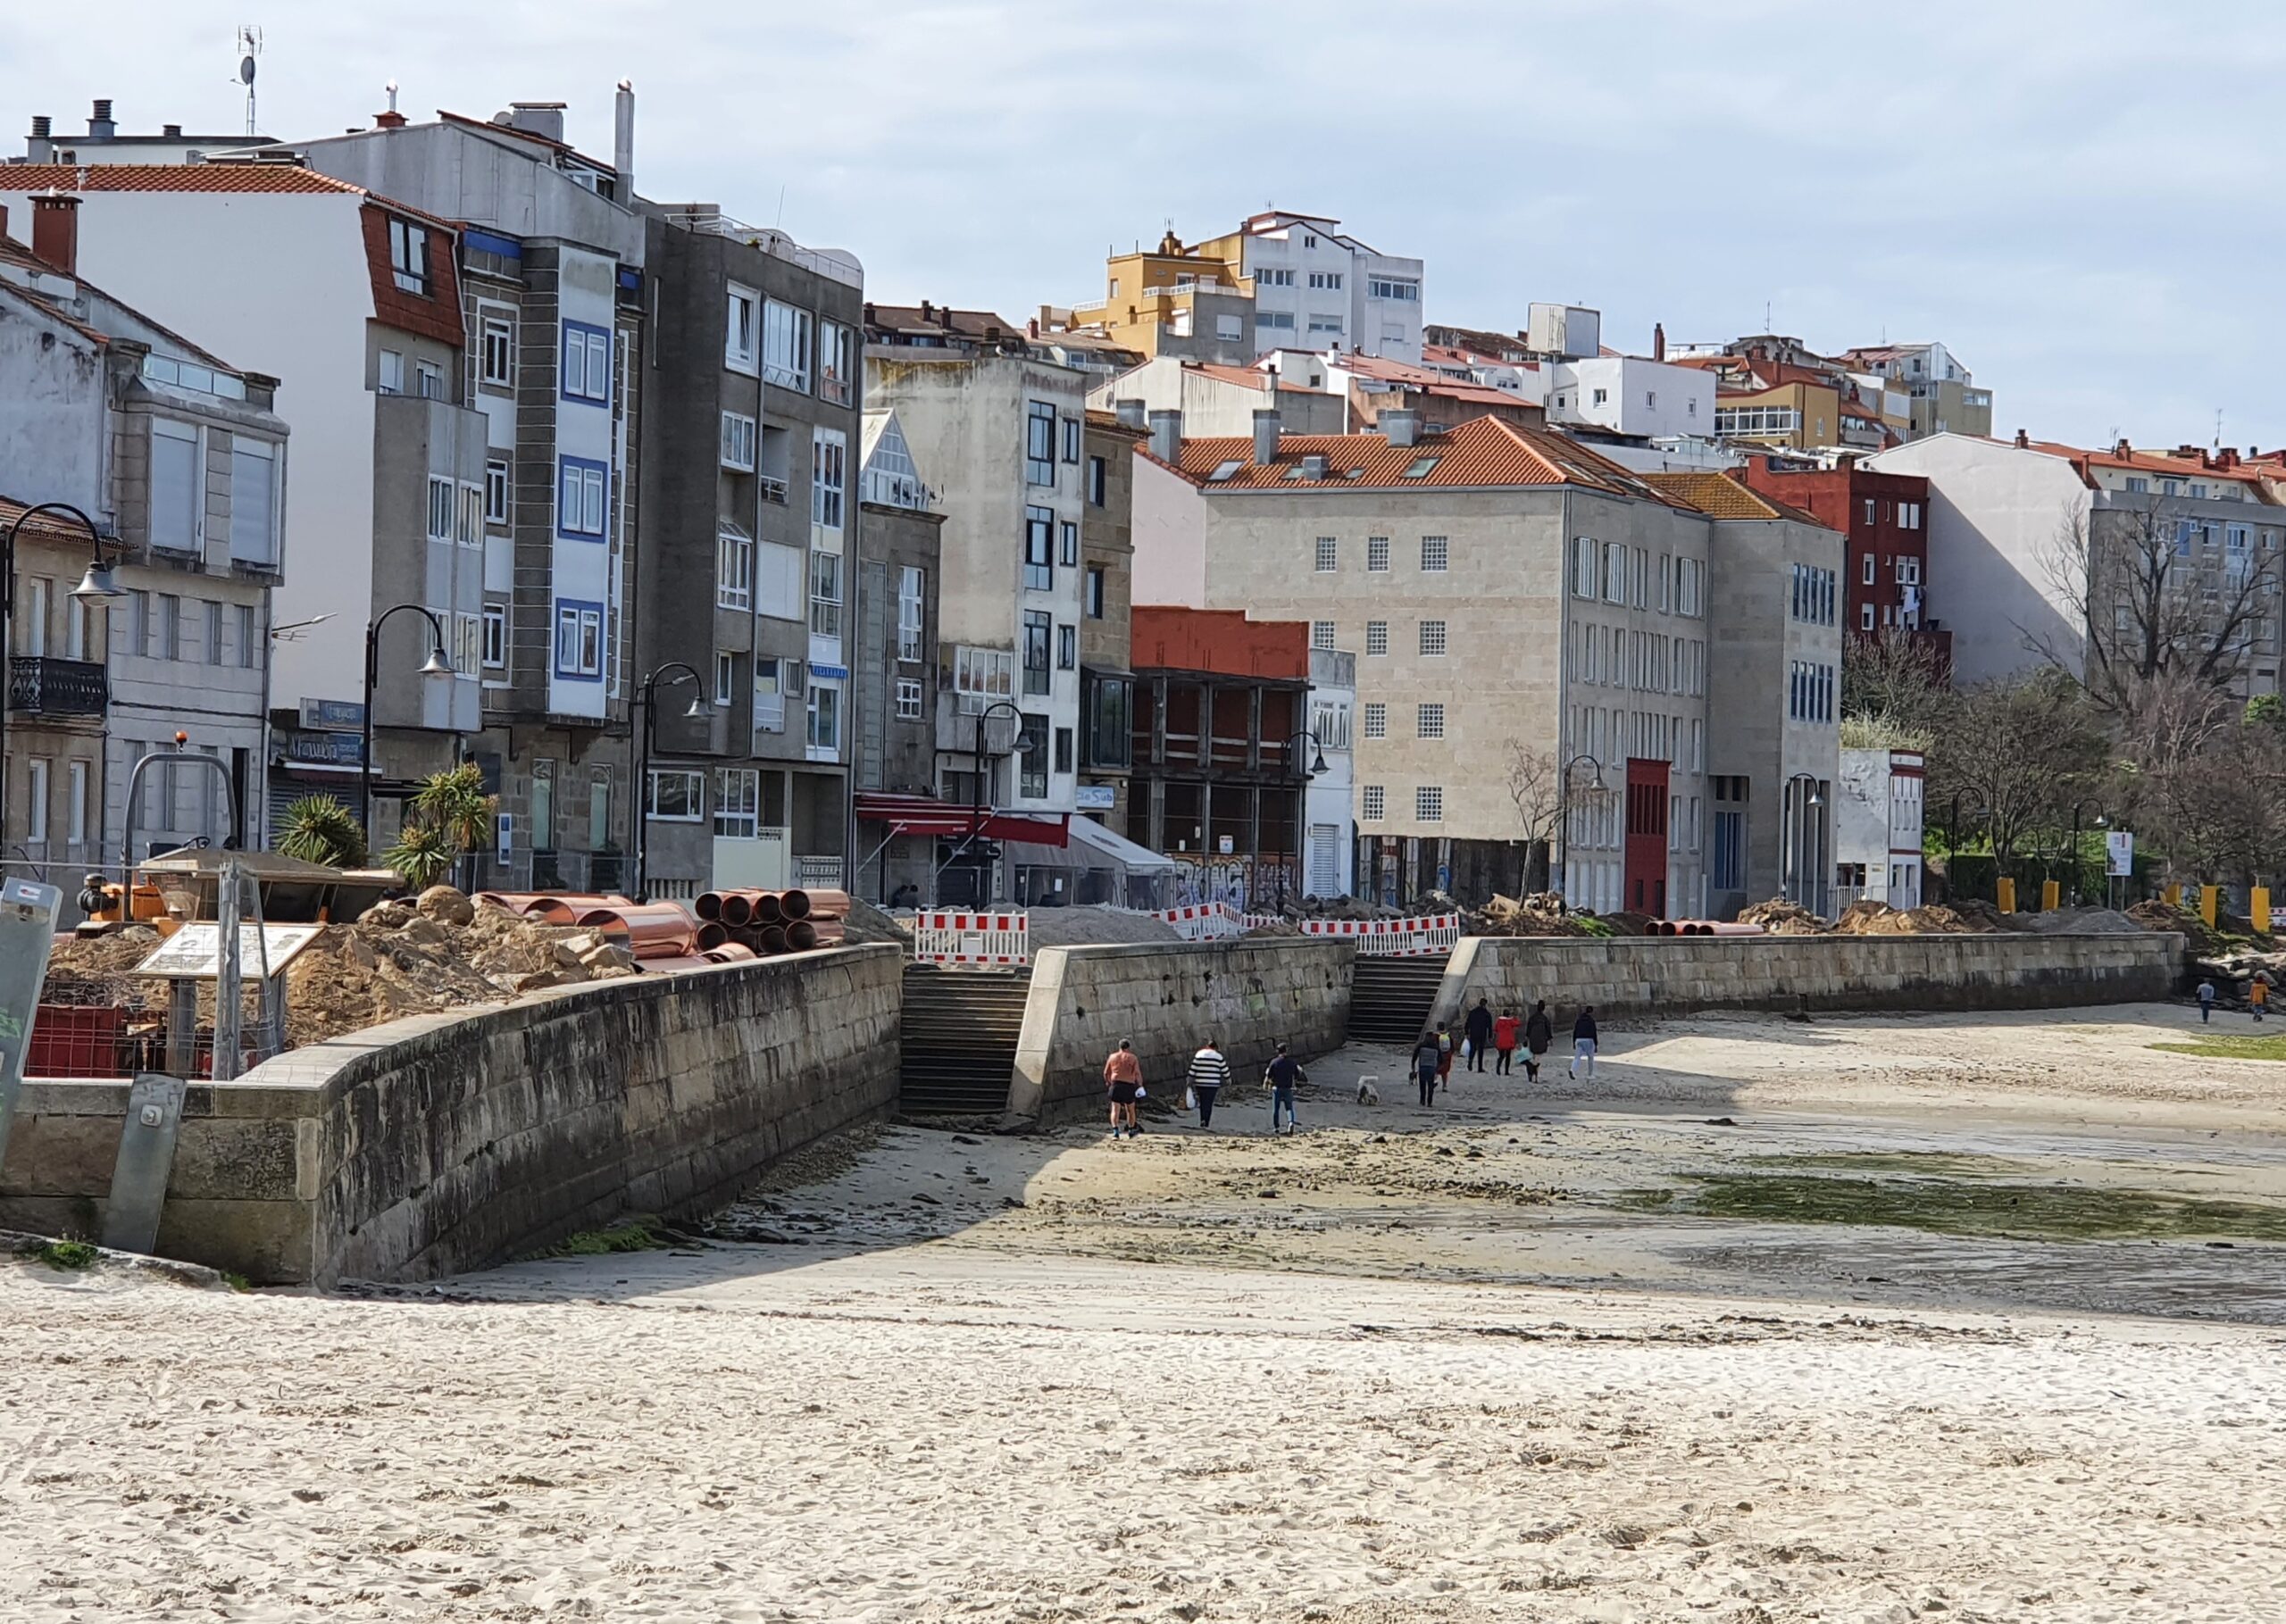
{"x": 582, "y": 498}
{"x": 579, "y": 640}
{"x": 587, "y": 364}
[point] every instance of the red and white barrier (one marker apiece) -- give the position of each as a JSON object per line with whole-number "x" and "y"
{"x": 1203, "y": 922}
{"x": 972, "y": 941}
{"x": 1419, "y": 937}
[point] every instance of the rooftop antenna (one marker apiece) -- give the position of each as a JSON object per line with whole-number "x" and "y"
{"x": 390, "y": 88}
{"x": 2218, "y": 428}
{"x": 249, "y": 48}
{"x": 781, "y": 221}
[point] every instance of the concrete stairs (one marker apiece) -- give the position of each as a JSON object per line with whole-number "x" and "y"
{"x": 1391, "y": 999}
{"x": 960, "y": 1033}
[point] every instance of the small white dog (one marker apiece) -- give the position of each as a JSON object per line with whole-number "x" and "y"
{"x": 1368, "y": 1094}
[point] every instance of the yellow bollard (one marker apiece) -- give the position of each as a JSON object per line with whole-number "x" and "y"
{"x": 2051, "y": 896}
{"x": 2173, "y": 895}
{"x": 2259, "y": 907}
{"x": 2006, "y": 893}
{"x": 2208, "y": 895}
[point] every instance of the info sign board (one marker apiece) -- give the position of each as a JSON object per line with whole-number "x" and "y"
{"x": 27, "y": 931}
{"x": 195, "y": 951}
{"x": 2119, "y": 852}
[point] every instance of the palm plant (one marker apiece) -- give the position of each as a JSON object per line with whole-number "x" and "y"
{"x": 424, "y": 854}
{"x": 451, "y": 816}
{"x": 319, "y": 828}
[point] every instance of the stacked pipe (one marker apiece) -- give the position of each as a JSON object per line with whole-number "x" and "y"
{"x": 770, "y": 922}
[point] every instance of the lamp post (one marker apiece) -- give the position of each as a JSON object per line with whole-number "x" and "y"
{"x": 640, "y": 815}
{"x": 95, "y": 586}
{"x": 976, "y": 818}
{"x": 1301, "y": 797}
{"x": 2078, "y": 867}
{"x": 434, "y": 666}
{"x": 1800, "y": 842}
{"x": 1561, "y": 879}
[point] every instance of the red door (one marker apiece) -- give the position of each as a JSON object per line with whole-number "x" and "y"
{"x": 1645, "y": 874}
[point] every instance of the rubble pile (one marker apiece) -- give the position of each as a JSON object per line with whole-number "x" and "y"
{"x": 1542, "y": 913}
{"x": 1868, "y": 917}
{"x": 1780, "y": 917}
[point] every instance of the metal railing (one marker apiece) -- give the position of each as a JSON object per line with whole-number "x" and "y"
{"x": 44, "y": 686}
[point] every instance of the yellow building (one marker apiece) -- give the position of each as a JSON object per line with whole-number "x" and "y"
{"x": 1176, "y": 301}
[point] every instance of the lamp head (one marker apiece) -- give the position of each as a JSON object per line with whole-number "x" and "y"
{"x": 1318, "y": 769}
{"x": 434, "y": 665}
{"x": 98, "y": 582}
{"x": 695, "y": 711}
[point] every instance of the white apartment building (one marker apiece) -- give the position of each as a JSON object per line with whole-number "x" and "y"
{"x": 1222, "y": 399}
{"x": 1329, "y": 844}
{"x": 1877, "y": 824}
{"x": 1317, "y": 287}
{"x": 1630, "y": 395}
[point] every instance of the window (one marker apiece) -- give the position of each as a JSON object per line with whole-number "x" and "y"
{"x": 2138, "y": 486}
{"x": 738, "y": 441}
{"x": 1371, "y": 804}
{"x": 829, "y": 477}
{"x": 496, "y": 351}
{"x": 982, "y": 675}
{"x": 1377, "y": 720}
{"x": 1429, "y": 722}
{"x": 726, "y": 677}
{"x": 1037, "y": 624}
{"x": 1039, "y": 443}
{"x": 912, "y": 590}
{"x": 1602, "y": 397}
{"x": 677, "y": 795}
{"x": 738, "y": 802}
{"x": 599, "y": 811}
{"x": 1326, "y": 278}
{"x": 825, "y": 594}
{"x": 1274, "y": 279}
{"x": 170, "y": 627}
{"x": 1071, "y": 426}
{"x": 1419, "y": 469}
{"x": 1067, "y": 648}
{"x": 1095, "y": 592}
{"x": 428, "y": 379}
{"x": 75, "y": 802}
{"x": 823, "y": 717}
{"x": 390, "y": 377}
{"x": 1583, "y": 566}
{"x": 495, "y": 636}
{"x": 1757, "y": 419}
{"x": 579, "y": 639}
{"x": 440, "y": 509}
{"x": 468, "y": 644}
{"x": 580, "y": 485}
{"x": 1064, "y": 741}
{"x": 837, "y": 363}
{"x": 1325, "y": 324}
{"x": 1321, "y": 634}
{"x": 37, "y": 790}
{"x": 739, "y": 335}
{"x": 908, "y": 699}
{"x": 787, "y": 334}
{"x": 770, "y": 695}
{"x": 1908, "y": 515}
{"x": 1865, "y": 617}
{"x": 1329, "y": 554}
{"x": 409, "y": 256}
{"x": 543, "y": 806}
{"x": 1031, "y": 758}
{"x": 1039, "y": 558}
{"x": 1274, "y": 321}
{"x": 1429, "y": 804}
{"x": 1098, "y": 479}
{"x": 495, "y": 491}
{"x": 1229, "y": 328}
{"x": 1067, "y": 545}
{"x": 1614, "y": 572}
{"x": 1691, "y": 587}
{"x": 1377, "y": 553}
{"x": 587, "y": 364}
{"x": 1388, "y": 287}
{"x": 254, "y": 502}
{"x": 249, "y": 648}
{"x": 1377, "y": 636}
{"x": 177, "y": 487}
{"x": 214, "y": 633}
{"x": 1432, "y": 638}
{"x": 1865, "y": 576}
{"x": 1433, "y": 554}
{"x": 468, "y": 524}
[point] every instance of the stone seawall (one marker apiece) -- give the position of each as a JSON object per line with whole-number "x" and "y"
{"x": 1249, "y": 995}
{"x": 1623, "y": 976}
{"x": 445, "y": 1143}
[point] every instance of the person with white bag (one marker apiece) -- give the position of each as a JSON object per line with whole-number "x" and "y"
{"x": 1209, "y": 1071}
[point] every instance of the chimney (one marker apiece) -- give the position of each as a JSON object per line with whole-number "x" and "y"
{"x": 391, "y": 120}
{"x": 541, "y": 119}
{"x": 1032, "y": 327}
{"x": 1658, "y": 341}
{"x": 927, "y": 312}
{"x": 1265, "y": 435}
{"x": 100, "y": 128}
{"x": 1314, "y": 466}
{"x": 2024, "y": 440}
{"x": 173, "y": 132}
{"x": 55, "y": 231}
{"x": 2123, "y": 449}
{"x": 1401, "y": 427}
{"x": 1128, "y": 412}
{"x": 43, "y": 127}
{"x": 623, "y": 144}
{"x": 1166, "y": 436}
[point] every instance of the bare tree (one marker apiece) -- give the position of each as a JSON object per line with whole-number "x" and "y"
{"x": 2201, "y": 777}
{"x": 2156, "y": 594}
{"x": 1536, "y": 785}
{"x": 2015, "y": 752}
{"x": 1893, "y": 675}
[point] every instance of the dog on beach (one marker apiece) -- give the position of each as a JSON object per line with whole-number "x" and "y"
{"x": 1367, "y": 1095}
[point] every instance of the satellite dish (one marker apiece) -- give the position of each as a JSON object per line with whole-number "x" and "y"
{"x": 245, "y": 70}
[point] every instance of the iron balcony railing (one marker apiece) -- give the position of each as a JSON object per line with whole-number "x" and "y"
{"x": 46, "y": 686}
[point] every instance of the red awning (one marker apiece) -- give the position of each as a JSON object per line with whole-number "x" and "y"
{"x": 927, "y": 815}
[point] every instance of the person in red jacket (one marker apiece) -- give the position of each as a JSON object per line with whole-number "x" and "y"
{"x": 1504, "y": 1042}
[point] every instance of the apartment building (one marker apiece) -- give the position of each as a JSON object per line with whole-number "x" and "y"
{"x": 1002, "y": 433}
{"x": 1175, "y": 301}
{"x": 1774, "y": 695}
{"x": 1885, "y": 516}
{"x": 181, "y": 458}
{"x": 1878, "y": 808}
{"x": 1106, "y": 598}
{"x": 1221, "y": 400}
{"x": 1943, "y": 394}
{"x": 894, "y": 672}
{"x": 104, "y": 142}
{"x": 1317, "y": 287}
{"x": 2053, "y": 555}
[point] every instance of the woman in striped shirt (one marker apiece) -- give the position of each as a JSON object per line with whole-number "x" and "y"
{"x": 1208, "y": 1072}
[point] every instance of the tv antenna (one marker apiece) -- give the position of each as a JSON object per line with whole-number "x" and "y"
{"x": 249, "y": 48}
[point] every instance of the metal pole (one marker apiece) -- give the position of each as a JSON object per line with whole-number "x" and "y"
{"x": 8, "y": 624}
{"x": 372, "y": 673}
{"x": 640, "y": 814}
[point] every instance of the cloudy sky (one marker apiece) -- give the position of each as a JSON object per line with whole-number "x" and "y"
{"x": 2077, "y": 196}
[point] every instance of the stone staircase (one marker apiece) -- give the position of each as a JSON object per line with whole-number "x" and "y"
{"x": 960, "y": 1032}
{"x": 1391, "y": 999}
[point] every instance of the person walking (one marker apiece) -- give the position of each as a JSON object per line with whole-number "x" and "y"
{"x": 1284, "y": 1072}
{"x": 1505, "y": 1032}
{"x": 1208, "y": 1072}
{"x": 2206, "y": 1001}
{"x": 1584, "y": 1042}
{"x": 1539, "y": 1033}
{"x": 1478, "y": 1029}
{"x": 2258, "y": 994}
{"x": 1446, "y": 1049}
{"x": 1426, "y": 1055}
{"x": 1122, "y": 1076}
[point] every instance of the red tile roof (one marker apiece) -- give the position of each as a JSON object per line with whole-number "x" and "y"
{"x": 1248, "y": 377}
{"x": 1484, "y": 452}
{"x": 2168, "y": 465}
{"x": 265, "y": 176}
{"x": 1719, "y": 495}
{"x": 47, "y": 527}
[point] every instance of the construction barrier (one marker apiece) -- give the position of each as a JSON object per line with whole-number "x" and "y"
{"x": 971, "y": 941}
{"x": 1419, "y": 937}
{"x": 1203, "y": 922}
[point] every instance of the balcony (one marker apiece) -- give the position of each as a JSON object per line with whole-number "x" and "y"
{"x": 773, "y": 489}
{"x": 44, "y": 687}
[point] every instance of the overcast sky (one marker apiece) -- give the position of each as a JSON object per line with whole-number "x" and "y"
{"x": 2079, "y": 198}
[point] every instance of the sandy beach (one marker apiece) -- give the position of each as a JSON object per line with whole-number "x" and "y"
{"x": 1495, "y": 1362}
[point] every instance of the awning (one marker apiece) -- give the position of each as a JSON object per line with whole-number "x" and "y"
{"x": 927, "y": 815}
{"x": 1118, "y": 848}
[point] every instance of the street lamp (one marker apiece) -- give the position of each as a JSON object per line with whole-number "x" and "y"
{"x": 1816, "y": 799}
{"x": 95, "y": 586}
{"x": 1316, "y": 768}
{"x": 2101, "y": 822}
{"x": 976, "y": 818}
{"x": 434, "y": 665}
{"x": 640, "y": 815}
{"x": 1560, "y": 880}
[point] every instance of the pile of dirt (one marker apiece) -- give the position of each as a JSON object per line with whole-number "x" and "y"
{"x": 1626, "y": 922}
{"x": 2203, "y": 940}
{"x": 1093, "y": 925}
{"x": 1780, "y": 917}
{"x": 1543, "y": 913}
{"x": 1867, "y": 917}
{"x": 864, "y": 923}
{"x": 2078, "y": 921}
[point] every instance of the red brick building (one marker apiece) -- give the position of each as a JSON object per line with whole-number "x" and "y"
{"x": 1885, "y": 518}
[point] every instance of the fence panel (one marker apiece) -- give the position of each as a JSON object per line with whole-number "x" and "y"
{"x": 960, "y": 939}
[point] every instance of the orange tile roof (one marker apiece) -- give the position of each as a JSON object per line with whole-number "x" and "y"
{"x": 1248, "y": 377}
{"x": 268, "y": 177}
{"x": 1483, "y": 453}
{"x": 2170, "y": 464}
{"x": 1718, "y": 495}
{"x": 47, "y": 527}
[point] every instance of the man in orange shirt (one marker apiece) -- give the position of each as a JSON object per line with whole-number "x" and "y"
{"x": 1123, "y": 1077}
